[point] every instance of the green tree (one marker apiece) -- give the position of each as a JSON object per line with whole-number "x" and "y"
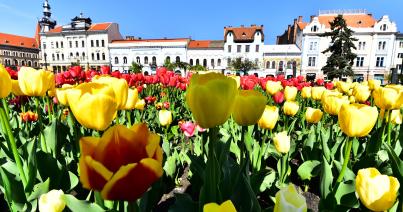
{"x": 170, "y": 66}
{"x": 341, "y": 60}
{"x": 198, "y": 68}
{"x": 136, "y": 68}
{"x": 243, "y": 65}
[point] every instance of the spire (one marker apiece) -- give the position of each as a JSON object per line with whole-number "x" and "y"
{"x": 46, "y": 21}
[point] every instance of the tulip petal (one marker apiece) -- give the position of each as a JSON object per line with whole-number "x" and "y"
{"x": 132, "y": 180}
{"x": 93, "y": 175}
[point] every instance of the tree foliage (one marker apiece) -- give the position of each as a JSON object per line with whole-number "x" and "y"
{"x": 240, "y": 64}
{"x": 136, "y": 68}
{"x": 341, "y": 60}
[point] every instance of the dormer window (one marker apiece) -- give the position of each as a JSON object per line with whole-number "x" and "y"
{"x": 384, "y": 27}
{"x": 22, "y": 43}
{"x": 258, "y": 33}
{"x": 6, "y": 41}
{"x": 243, "y": 34}
{"x": 314, "y": 29}
{"x": 229, "y": 34}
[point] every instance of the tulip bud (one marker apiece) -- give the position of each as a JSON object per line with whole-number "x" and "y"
{"x": 226, "y": 206}
{"x": 282, "y": 142}
{"x": 52, "y": 201}
{"x": 165, "y": 117}
{"x": 396, "y": 116}
{"x": 361, "y": 93}
{"x": 344, "y": 86}
{"x": 273, "y": 87}
{"x": 290, "y": 108}
{"x": 288, "y": 199}
{"x": 376, "y": 191}
{"x": 248, "y": 107}
{"x": 306, "y": 92}
{"x": 269, "y": 117}
{"x": 317, "y": 92}
{"x": 140, "y": 104}
{"x": 332, "y": 104}
{"x": 5, "y": 82}
{"x": 313, "y": 115}
{"x": 132, "y": 97}
{"x": 290, "y": 93}
{"x": 374, "y": 84}
{"x": 278, "y": 97}
{"x": 43, "y": 81}
{"x": 357, "y": 120}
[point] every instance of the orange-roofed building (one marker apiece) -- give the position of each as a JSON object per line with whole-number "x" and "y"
{"x": 374, "y": 47}
{"x": 16, "y": 50}
{"x": 244, "y": 42}
{"x": 207, "y": 53}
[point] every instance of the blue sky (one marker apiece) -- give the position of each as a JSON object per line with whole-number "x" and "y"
{"x": 200, "y": 19}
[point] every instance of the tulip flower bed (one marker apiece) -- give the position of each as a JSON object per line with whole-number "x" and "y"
{"x": 106, "y": 141}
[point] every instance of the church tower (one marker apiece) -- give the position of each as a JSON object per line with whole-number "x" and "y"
{"x": 46, "y": 23}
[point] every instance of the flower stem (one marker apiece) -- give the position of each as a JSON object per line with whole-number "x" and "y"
{"x": 13, "y": 145}
{"x": 346, "y": 159}
{"x": 389, "y": 126}
{"x": 41, "y": 136}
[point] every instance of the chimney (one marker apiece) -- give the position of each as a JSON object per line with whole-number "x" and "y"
{"x": 242, "y": 25}
{"x": 253, "y": 25}
{"x": 295, "y": 21}
{"x": 299, "y": 18}
{"x": 312, "y": 16}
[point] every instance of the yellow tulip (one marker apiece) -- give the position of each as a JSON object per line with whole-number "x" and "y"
{"x": 35, "y": 82}
{"x": 53, "y": 201}
{"x": 357, "y": 120}
{"x": 15, "y": 88}
{"x": 290, "y": 93}
{"x": 93, "y": 105}
{"x": 290, "y": 108}
{"x": 361, "y": 93}
{"x": 288, "y": 199}
{"x": 61, "y": 94}
{"x": 388, "y": 98}
{"x": 396, "y": 116}
{"x": 237, "y": 79}
{"x": 273, "y": 87}
{"x": 248, "y": 107}
{"x": 5, "y": 82}
{"x": 313, "y": 115}
{"x": 351, "y": 99}
{"x": 306, "y": 92}
{"x": 374, "y": 84}
{"x": 165, "y": 117}
{"x": 317, "y": 92}
{"x": 140, "y": 104}
{"x": 119, "y": 86}
{"x": 282, "y": 142}
{"x": 269, "y": 117}
{"x": 376, "y": 191}
{"x": 132, "y": 98}
{"x": 344, "y": 86}
{"x": 211, "y": 98}
{"x": 332, "y": 104}
{"x": 226, "y": 206}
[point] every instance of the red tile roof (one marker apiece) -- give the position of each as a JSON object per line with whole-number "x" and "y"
{"x": 243, "y": 33}
{"x": 18, "y": 41}
{"x": 194, "y": 44}
{"x": 57, "y": 29}
{"x": 353, "y": 20}
{"x": 100, "y": 26}
{"x": 151, "y": 40}
{"x": 302, "y": 25}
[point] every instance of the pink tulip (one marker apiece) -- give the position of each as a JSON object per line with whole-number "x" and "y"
{"x": 188, "y": 128}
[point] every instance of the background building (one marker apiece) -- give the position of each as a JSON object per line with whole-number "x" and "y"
{"x": 398, "y": 54}
{"x": 207, "y": 53}
{"x": 282, "y": 60}
{"x": 18, "y": 50}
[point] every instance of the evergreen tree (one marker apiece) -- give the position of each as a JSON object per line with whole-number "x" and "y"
{"x": 341, "y": 60}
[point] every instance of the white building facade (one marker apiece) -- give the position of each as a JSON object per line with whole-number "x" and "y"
{"x": 398, "y": 54}
{"x": 281, "y": 60}
{"x": 375, "y": 44}
{"x": 207, "y": 53}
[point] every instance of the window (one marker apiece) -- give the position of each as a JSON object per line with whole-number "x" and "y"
{"x": 280, "y": 65}
{"x": 53, "y": 57}
{"x": 238, "y": 48}
{"x": 312, "y": 61}
{"x": 212, "y": 63}
{"x": 57, "y": 45}
{"x": 229, "y": 61}
{"x": 137, "y": 60}
{"x": 379, "y": 61}
{"x": 257, "y": 48}
{"x": 102, "y": 43}
{"x": 381, "y": 45}
{"x": 361, "y": 45}
{"x": 273, "y": 65}
{"x": 44, "y": 45}
{"x": 71, "y": 44}
{"x": 401, "y": 44}
{"x": 62, "y": 56}
{"x": 77, "y": 55}
{"x": 400, "y": 55}
{"x": 61, "y": 44}
{"x": 92, "y": 43}
{"x": 116, "y": 60}
{"x": 83, "y": 55}
{"x": 58, "y": 57}
{"x": 247, "y": 48}
{"x": 71, "y": 54}
{"x": 177, "y": 59}
{"x": 384, "y": 27}
{"x": 289, "y": 64}
{"x": 168, "y": 59}
{"x": 124, "y": 60}
{"x": 97, "y": 43}
{"x": 205, "y": 62}
{"x": 219, "y": 62}
{"x": 76, "y": 43}
{"x": 359, "y": 62}
{"x": 93, "y": 56}
{"x": 313, "y": 46}
{"x": 229, "y": 48}
{"x": 314, "y": 29}
{"x": 98, "y": 58}
{"x": 267, "y": 64}
{"x": 197, "y": 62}
{"x": 82, "y": 44}
{"x": 154, "y": 60}
{"x": 145, "y": 60}
{"x": 191, "y": 62}
{"x": 384, "y": 45}
{"x": 103, "y": 56}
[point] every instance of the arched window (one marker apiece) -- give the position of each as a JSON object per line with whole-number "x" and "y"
{"x": 384, "y": 45}
{"x": 314, "y": 29}
{"x": 267, "y": 64}
{"x": 29, "y": 63}
{"x": 97, "y": 43}
{"x": 116, "y": 60}
{"x": 103, "y": 56}
{"x": 92, "y": 43}
{"x": 57, "y": 44}
{"x": 62, "y": 56}
{"x": 23, "y": 63}
{"x": 145, "y": 60}
{"x": 83, "y": 54}
{"x": 191, "y": 62}
{"x": 16, "y": 62}
{"x": 58, "y": 57}
{"x": 82, "y": 44}
{"x": 212, "y": 63}
{"x": 102, "y": 43}
{"x": 177, "y": 59}
{"x": 289, "y": 64}
{"x": 273, "y": 64}
{"x": 35, "y": 64}
{"x": 77, "y": 54}
{"x": 137, "y": 60}
{"x": 98, "y": 58}
{"x": 76, "y": 43}
{"x": 92, "y": 56}
{"x": 168, "y": 59}
{"x": 124, "y": 60}
{"x": 384, "y": 27}
{"x": 205, "y": 62}
{"x": 197, "y": 62}
{"x": 61, "y": 44}
{"x": 154, "y": 60}
{"x": 71, "y": 54}
{"x": 280, "y": 65}
{"x": 53, "y": 57}
{"x": 219, "y": 62}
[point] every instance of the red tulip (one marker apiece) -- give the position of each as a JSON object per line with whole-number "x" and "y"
{"x": 278, "y": 97}
{"x": 329, "y": 85}
{"x": 105, "y": 70}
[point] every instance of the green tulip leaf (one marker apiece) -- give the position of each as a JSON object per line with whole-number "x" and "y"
{"x": 345, "y": 195}
{"x": 38, "y": 190}
{"x": 170, "y": 166}
{"x": 326, "y": 178}
{"x": 79, "y": 205}
{"x": 183, "y": 203}
{"x": 305, "y": 170}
